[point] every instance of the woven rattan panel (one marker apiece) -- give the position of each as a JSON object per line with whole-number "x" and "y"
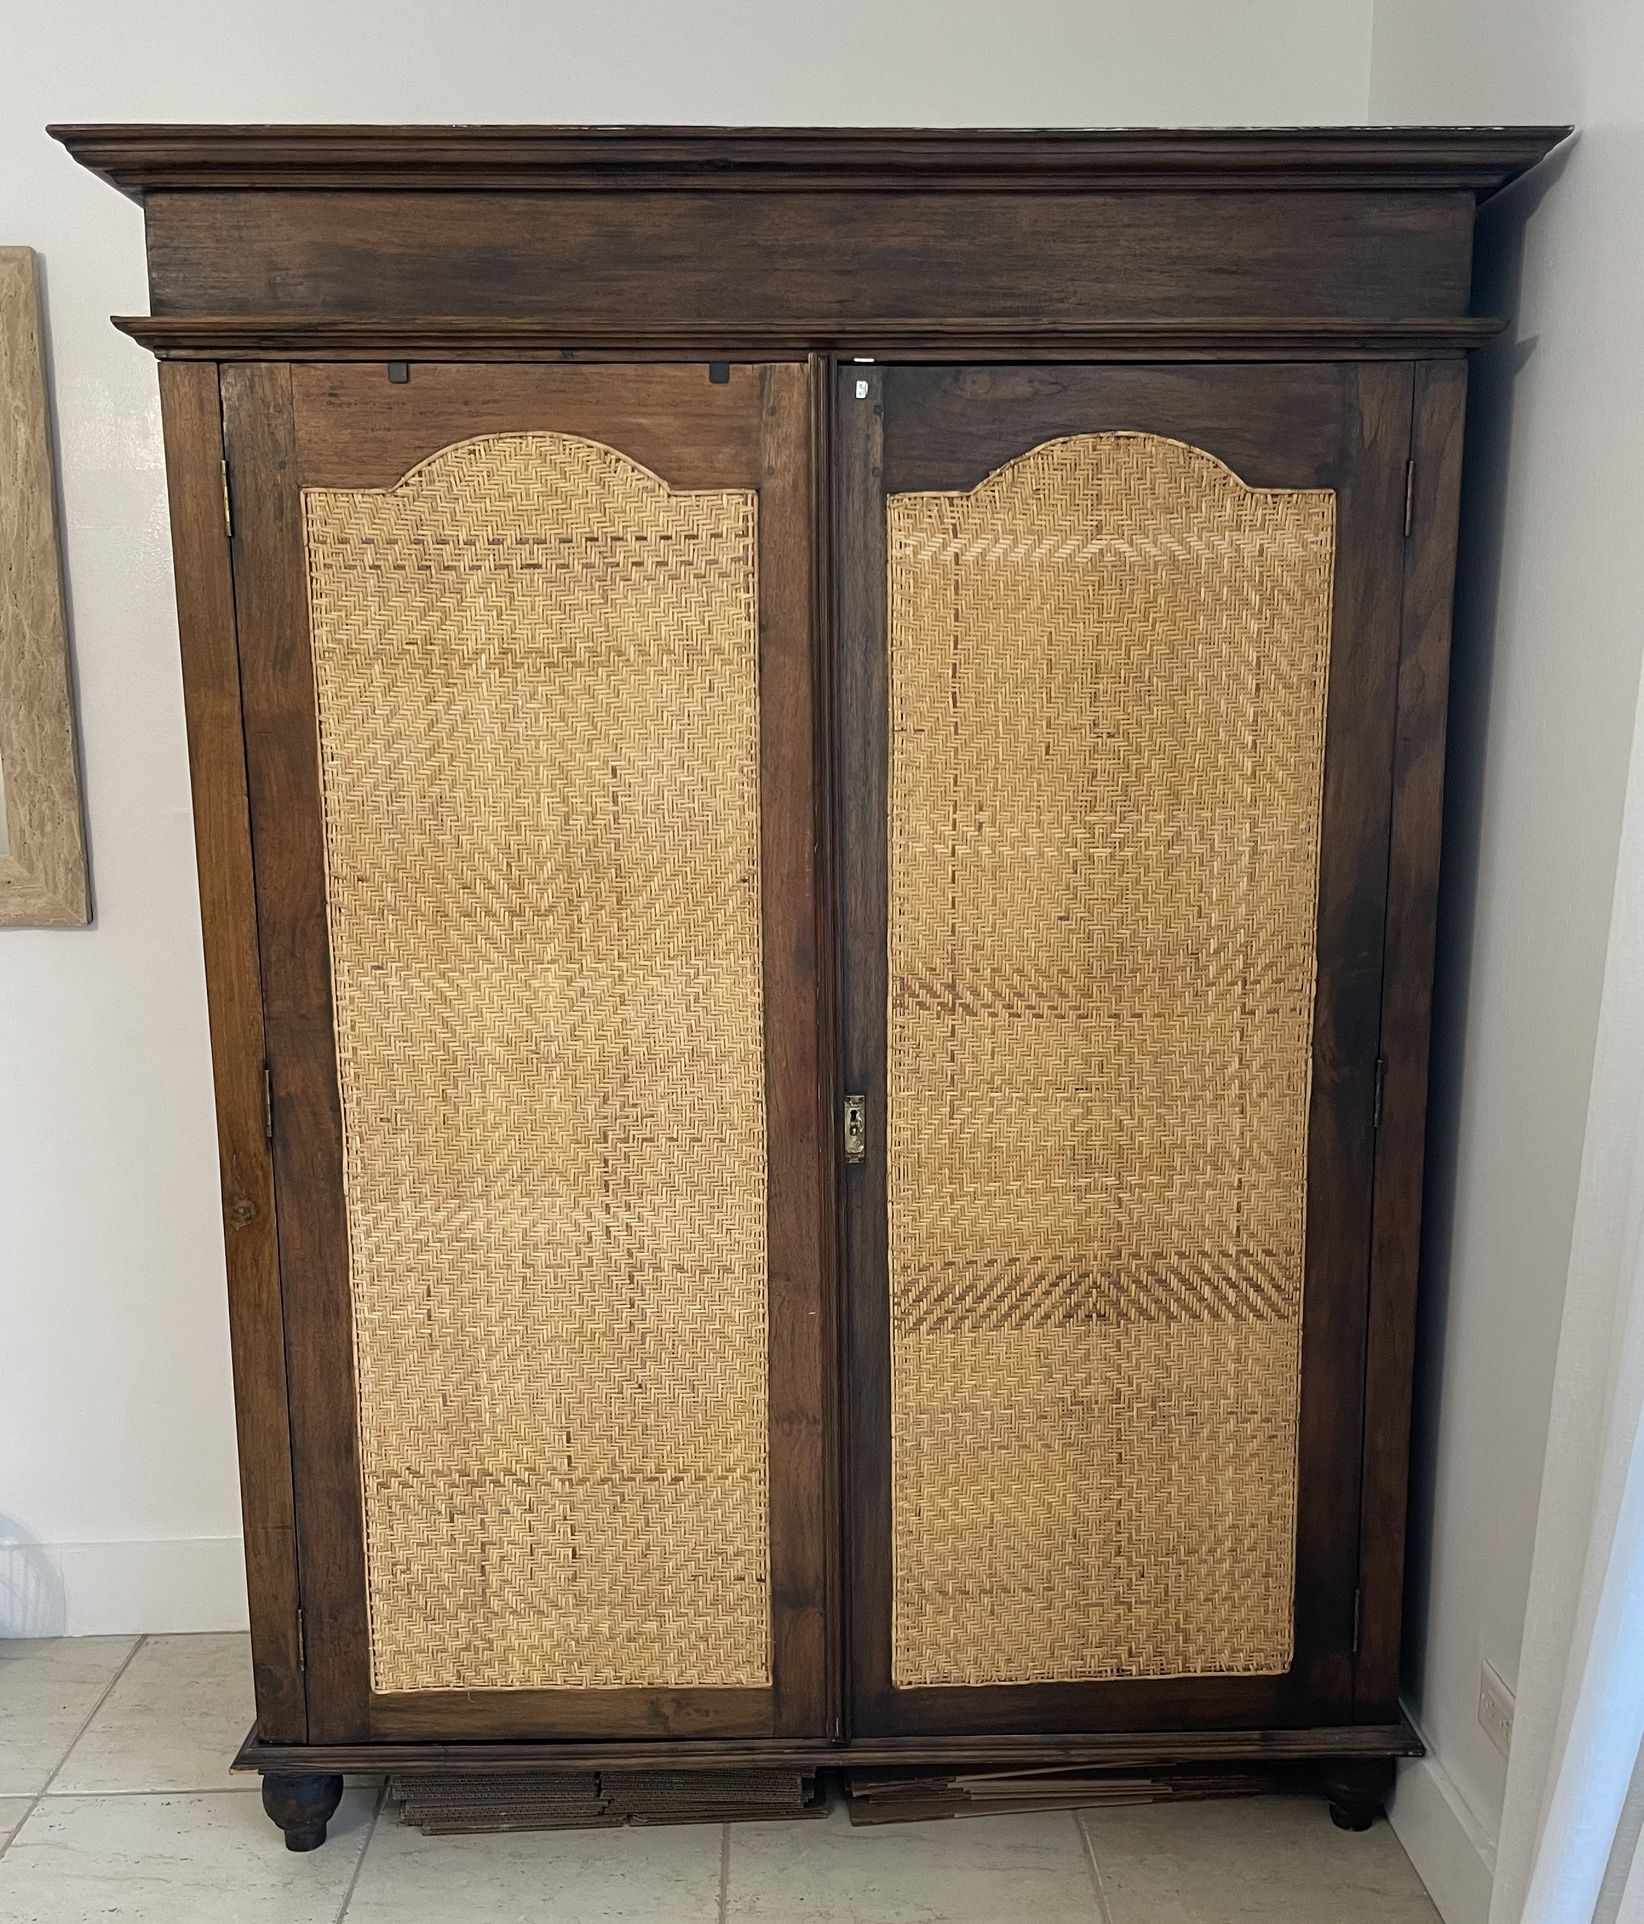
{"x": 536, "y": 675}
{"x": 1108, "y": 667}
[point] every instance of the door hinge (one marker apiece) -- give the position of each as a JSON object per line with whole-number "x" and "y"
{"x": 1409, "y": 497}
{"x": 228, "y": 505}
{"x": 268, "y": 1105}
{"x": 1381, "y": 1083}
{"x": 1358, "y": 1611}
{"x": 856, "y": 1129}
{"x": 302, "y": 1640}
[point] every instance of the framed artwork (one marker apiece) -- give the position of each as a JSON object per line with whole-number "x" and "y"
{"x": 42, "y": 839}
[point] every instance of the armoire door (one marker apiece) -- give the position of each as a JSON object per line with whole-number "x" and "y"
{"x": 527, "y": 678}
{"x": 1116, "y": 654}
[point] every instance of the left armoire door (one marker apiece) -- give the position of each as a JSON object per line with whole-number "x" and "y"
{"x": 526, "y": 669}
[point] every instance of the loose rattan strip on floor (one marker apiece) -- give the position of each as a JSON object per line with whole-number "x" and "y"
{"x": 536, "y": 674}
{"x": 1108, "y": 666}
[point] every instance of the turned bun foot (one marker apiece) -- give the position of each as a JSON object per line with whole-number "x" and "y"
{"x": 1357, "y": 1790}
{"x": 302, "y": 1807}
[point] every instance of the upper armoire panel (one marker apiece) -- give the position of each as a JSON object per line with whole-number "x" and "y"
{"x": 808, "y": 237}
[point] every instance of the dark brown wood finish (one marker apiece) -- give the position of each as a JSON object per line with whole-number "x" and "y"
{"x": 358, "y": 429}
{"x": 858, "y": 548}
{"x": 803, "y": 1369}
{"x": 566, "y": 240}
{"x": 191, "y": 412}
{"x": 1222, "y": 337}
{"x": 1345, "y": 428}
{"x": 1357, "y": 1789}
{"x": 819, "y": 379}
{"x": 1101, "y": 1747}
{"x": 1296, "y": 300}
{"x": 263, "y": 479}
{"x": 1275, "y": 426}
{"x": 553, "y": 1714}
{"x": 778, "y": 262}
{"x": 350, "y": 426}
{"x": 302, "y": 1806}
{"x": 1412, "y": 899}
{"x": 866, "y": 160}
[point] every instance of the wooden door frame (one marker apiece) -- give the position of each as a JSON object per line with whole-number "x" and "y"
{"x": 266, "y": 470}
{"x": 1375, "y": 405}
{"x": 191, "y": 411}
{"x": 1438, "y": 410}
{"x": 191, "y": 403}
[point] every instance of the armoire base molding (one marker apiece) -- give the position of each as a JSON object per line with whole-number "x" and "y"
{"x": 1112, "y": 1747}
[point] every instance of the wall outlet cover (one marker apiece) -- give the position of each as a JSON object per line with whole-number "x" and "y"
{"x": 1495, "y": 1708}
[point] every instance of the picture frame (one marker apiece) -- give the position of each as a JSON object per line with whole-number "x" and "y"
{"x": 43, "y": 881}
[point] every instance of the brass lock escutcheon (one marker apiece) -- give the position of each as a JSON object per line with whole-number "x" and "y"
{"x": 856, "y": 1129}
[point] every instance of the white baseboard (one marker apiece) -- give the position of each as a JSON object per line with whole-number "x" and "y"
{"x": 121, "y": 1589}
{"x": 1442, "y": 1838}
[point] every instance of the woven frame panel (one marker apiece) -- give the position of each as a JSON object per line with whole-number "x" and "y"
{"x": 536, "y": 674}
{"x": 1108, "y": 667}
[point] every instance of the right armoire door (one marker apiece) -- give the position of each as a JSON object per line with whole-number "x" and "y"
{"x": 1116, "y": 655}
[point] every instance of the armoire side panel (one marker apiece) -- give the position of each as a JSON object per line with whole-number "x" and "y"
{"x": 303, "y": 1117}
{"x": 1438, "y": 421}
{"x": 191, "y": 408}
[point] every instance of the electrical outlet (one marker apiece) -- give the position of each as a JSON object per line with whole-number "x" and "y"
{"x": 1495, "y": 1709}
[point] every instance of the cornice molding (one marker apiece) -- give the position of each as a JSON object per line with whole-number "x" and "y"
{"x": 239, "y": 337}
{"x": 141, "y": 160}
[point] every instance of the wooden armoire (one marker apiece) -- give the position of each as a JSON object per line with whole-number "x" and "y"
{"x": 817, "y": 761}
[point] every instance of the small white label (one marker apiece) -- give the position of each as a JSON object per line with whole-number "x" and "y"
{"x": 861, "y": 390}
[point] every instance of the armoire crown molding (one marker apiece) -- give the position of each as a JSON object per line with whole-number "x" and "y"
{"x": 520, "y": 242}
{"x": 140, "y": 160}
{"x": 272, "y": 337}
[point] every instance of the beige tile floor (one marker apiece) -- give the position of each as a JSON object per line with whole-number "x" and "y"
{"x": 116, "y": 1807}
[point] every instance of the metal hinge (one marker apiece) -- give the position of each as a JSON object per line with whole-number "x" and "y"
{"x": 1409, "y": 496}
{"x": 302, "y": 1641}
{"x": 1381, "y": 1083}
{"x": 228, "y": 505}
{"x": 856, "y": 1129}
{"x": 268, "y": 1105}
{"x": 1358, "y": 1607}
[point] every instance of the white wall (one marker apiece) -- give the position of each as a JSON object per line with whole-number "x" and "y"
{"x": 116, "y": 1437}
{"x": 1549, "y": 636}
{"x": 116, "y": 1440}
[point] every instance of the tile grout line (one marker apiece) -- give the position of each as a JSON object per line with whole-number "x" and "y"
{"x": 39, "y": 1796}
{"x": 724, "y": 1871}
{"x": 33, "y": 1805}
{"x": 359, "y": 1862}
{"x": 1102, "y": 1912}
{"x": 130, "y": 1658}
{"x": 164, "y": 1790}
